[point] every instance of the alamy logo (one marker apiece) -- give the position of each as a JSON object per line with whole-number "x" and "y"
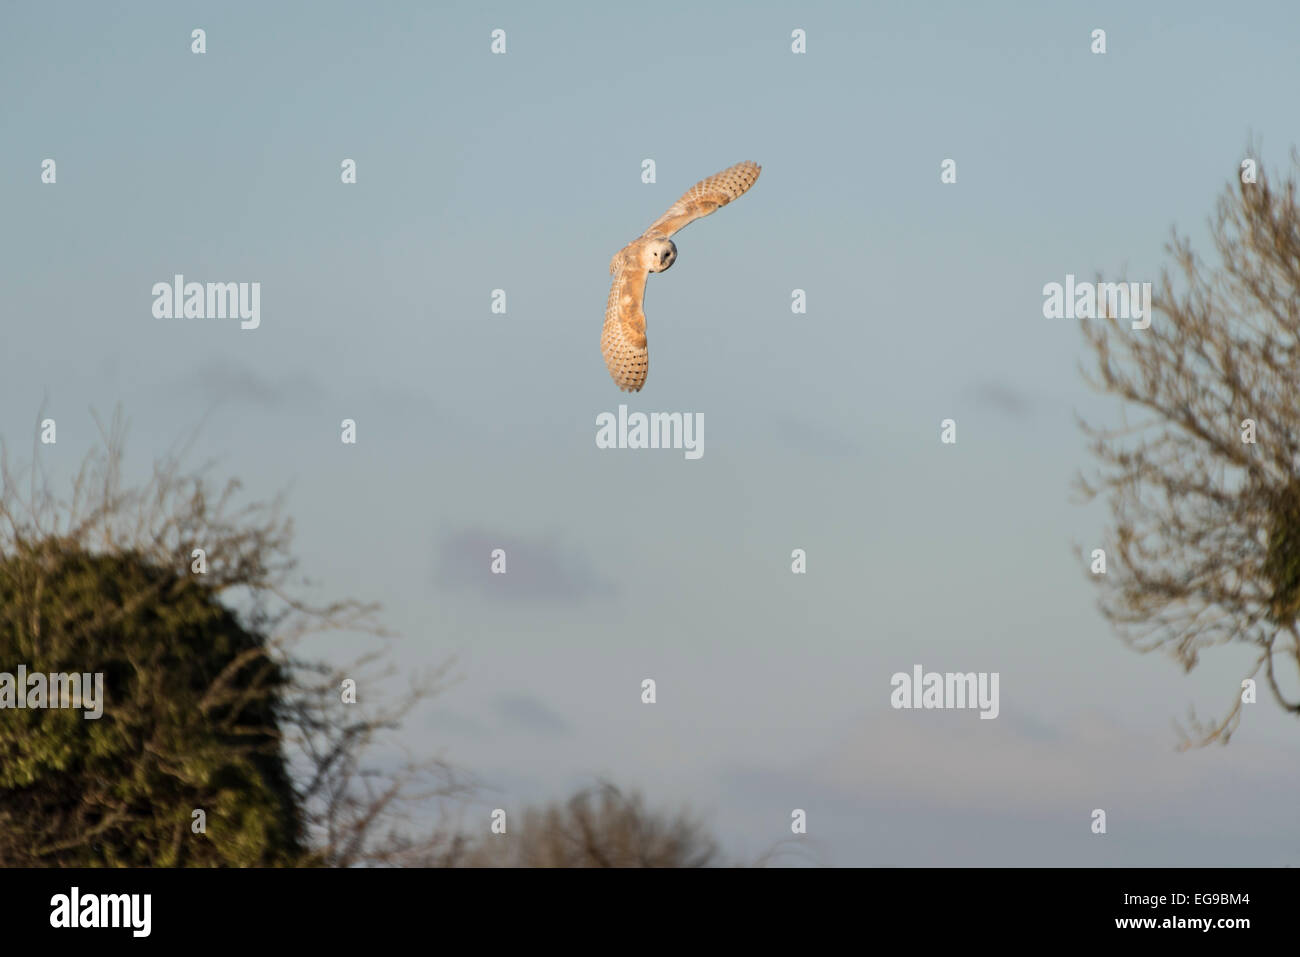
{"x": 1081, "y": 300}
{"x": 55, "y": 690}
{"x": 179, "y": 299}
{"x": 103, "y": 910}
{"x": 948, "y": 690}
{"x": 656, "y": 430}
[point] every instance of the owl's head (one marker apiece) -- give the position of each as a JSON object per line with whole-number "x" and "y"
{"x": 658, "y": 254}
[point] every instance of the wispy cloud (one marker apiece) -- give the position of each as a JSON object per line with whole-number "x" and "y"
{"x": 1000, "y": 398}
{"x": 536, "y": 570}
{"x": 812, "y": 439}
{"x": 526, "y": 711}
{"x": 223, "y": 380}
{"x": 1012, "y": 763}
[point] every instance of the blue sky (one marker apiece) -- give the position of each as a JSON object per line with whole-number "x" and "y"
{"x": 522, "y": 172}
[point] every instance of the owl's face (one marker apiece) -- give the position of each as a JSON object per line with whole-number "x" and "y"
{"x": 659, "y": 254}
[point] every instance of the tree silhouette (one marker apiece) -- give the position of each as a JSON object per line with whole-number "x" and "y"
{"x": 1207, "y": 522}
{"x": 597, "y": 827}
{"x": 207, "y": 706}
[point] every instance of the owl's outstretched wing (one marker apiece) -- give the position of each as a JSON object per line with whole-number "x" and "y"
{"x": 623, "y": 339}
{"x": 706, "y": 196}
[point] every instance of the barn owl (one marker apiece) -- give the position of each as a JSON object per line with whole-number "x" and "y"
{"x": 623, "y": 338}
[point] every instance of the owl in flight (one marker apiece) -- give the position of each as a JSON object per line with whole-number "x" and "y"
{"x": 623, "y": 338}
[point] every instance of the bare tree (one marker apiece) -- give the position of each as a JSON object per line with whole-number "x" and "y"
{"x": 1204, "y": 486}
{"x": 597, "y": 827}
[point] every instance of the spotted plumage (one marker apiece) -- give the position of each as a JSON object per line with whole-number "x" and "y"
{"x": 623, "y": 339}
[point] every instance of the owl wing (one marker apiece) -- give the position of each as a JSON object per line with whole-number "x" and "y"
{"x": 623, "y": 339}
{"x": 706, "y": 196}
